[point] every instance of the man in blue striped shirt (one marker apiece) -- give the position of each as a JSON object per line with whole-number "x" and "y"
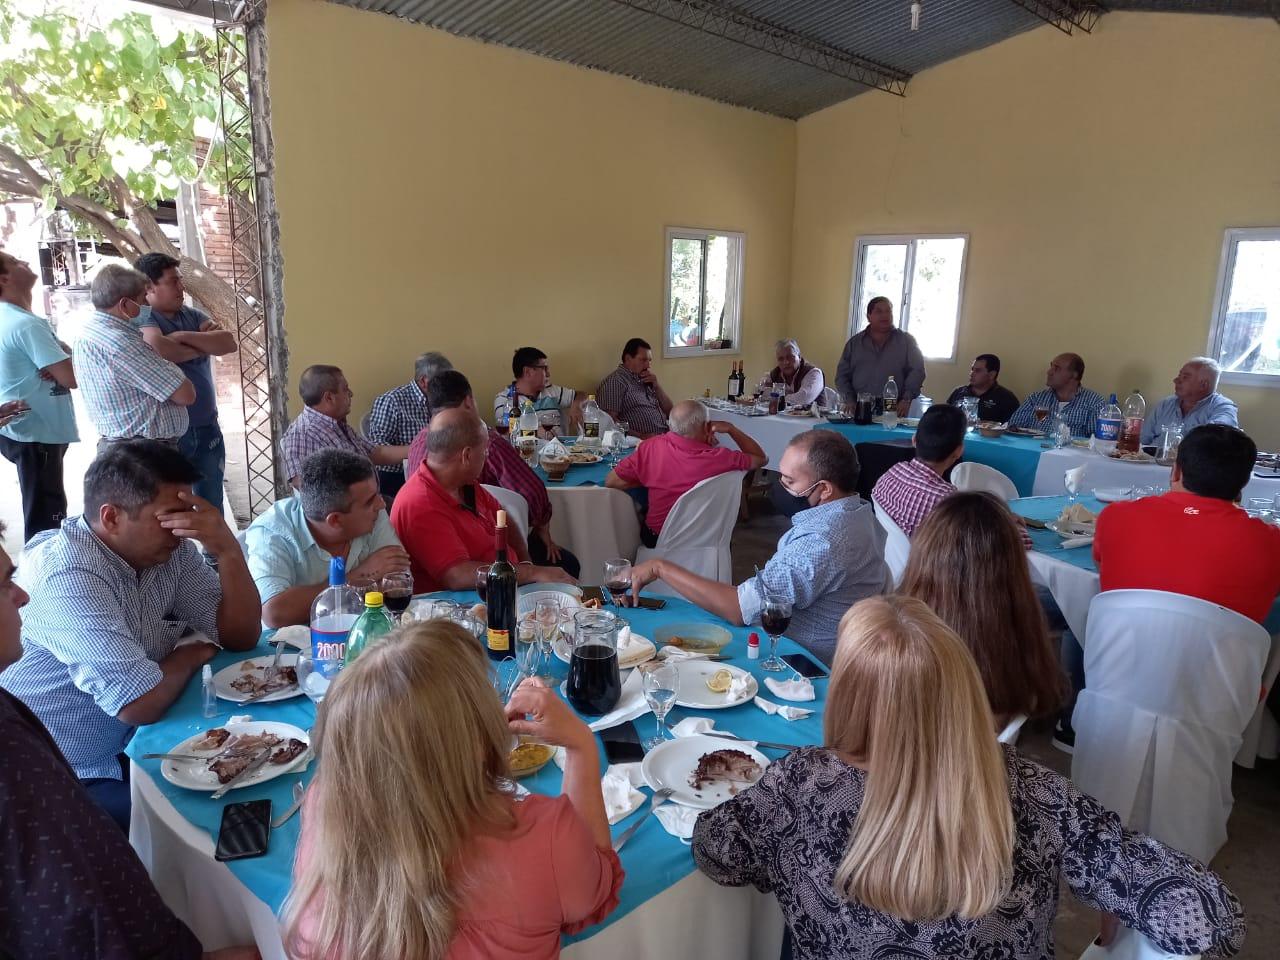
{"x": 113, "y": 593}
{"x": 1064, "y": 398}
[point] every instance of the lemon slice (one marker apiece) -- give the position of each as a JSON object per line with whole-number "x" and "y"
{"x": 719, "y": 681}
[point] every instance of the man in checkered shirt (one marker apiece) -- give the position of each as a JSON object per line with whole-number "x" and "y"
{"x": 401, "y": 413}
{"x": 1064, "y": 397}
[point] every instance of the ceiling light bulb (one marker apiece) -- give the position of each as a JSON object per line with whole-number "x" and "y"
{"x": 915, "y": 15}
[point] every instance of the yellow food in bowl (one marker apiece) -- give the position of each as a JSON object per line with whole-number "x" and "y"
{"x": 529, "y": 757}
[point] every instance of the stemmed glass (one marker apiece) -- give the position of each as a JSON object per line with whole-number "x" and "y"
{"x": 617, "y": 575}
{"x": 775, "y": 618}
{"x": 310, "y": 680}
{"x": 550, "y": 618}
{"x": 529, "y": 650}
{"x": 397, "y": 593}
{"x": 661, "y": 687}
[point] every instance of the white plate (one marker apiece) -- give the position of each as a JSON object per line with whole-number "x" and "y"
{"x": 527, "y": 602}
{"x": 195, "y": 775}
{"x": 635, "y": 651}
{"x": 222, "y": 680}
{"x": 693, "y": 685}
{"x": 671, "y": 764}
{"x": 1069, "y": 531}
{"x": 1114, "y": 494}
{"x": 1142, "y": 458}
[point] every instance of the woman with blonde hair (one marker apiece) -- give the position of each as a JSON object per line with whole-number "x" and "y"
{"x": 414, "y": 845}
{"x": 969, "y": 566}
{"x": 912, "y": 832}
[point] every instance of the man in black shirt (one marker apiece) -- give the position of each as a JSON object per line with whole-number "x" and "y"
{"x": 994, "y": 401}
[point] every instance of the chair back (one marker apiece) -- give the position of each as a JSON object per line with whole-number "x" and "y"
{"x": 517, "y": 507}
{"x": 897, "y": 546}
{"x": 978, "y": 476}
{"x": 1172, "y": 682}
{"x": 697, "y": 531}
{"x": 1131, "y": 945}
{"x": 1014, "y": 728}
{"x": 830, "y": 398}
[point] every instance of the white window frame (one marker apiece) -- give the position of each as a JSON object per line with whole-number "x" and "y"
{"x": 902, "y": 311}
{"x": 1218, "y": 322}
{"x": 733, "y": 293}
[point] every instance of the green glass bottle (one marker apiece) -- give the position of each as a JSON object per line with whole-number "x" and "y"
{"x": 372, "y": 626}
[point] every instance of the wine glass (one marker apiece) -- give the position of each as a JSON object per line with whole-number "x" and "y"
{"x": 617, "y": 575}
{"x": 529, "y": 647}
{"x": 482, "y": 582}
{"x": 624, "y": 428}
{"x": 310, "y": 680}
{"x": 661, "y": 687}
{"x": 775, "y": 618}
{"x": 362, "y": 585}
{"x": 397, "y": 593}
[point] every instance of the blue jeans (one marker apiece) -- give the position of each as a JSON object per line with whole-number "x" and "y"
{"x": 204, "y": 450}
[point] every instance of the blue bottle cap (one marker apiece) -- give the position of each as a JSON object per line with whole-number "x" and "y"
{"x": 337, "y": 571}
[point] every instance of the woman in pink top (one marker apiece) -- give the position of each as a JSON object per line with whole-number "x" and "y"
{"x": 413, "y": 845}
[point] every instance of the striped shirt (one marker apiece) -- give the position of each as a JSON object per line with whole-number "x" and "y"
{"x": 125, "y": 384}
{"x": 95, "y": 632}
{"x": 1080, "y": 412}
{"x": 624, "y": 396}
{"x": 397, "y": 417}
{"x": 314, "y": 431}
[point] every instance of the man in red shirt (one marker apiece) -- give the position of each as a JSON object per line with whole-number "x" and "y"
{"x": 1194, "y": 540}
{"x": 446, "y": 521}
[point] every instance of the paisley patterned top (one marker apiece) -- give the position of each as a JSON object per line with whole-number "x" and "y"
{"x": 789, "y": 832}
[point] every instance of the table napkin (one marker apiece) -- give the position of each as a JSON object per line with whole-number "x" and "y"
{"x": 677, "y": 820}
{"x": 621, "y": 798}
{"x": 632, "y": 704}
{"x": 739, "y": 686}
{"x": 693, "y": 726}
{"x": 295, "y": 635}
{"x": 797, "y": 689}
{"x": 1074, "y": 542}
{"x": 787, "y": 713}
{"x": 676, "y": 654}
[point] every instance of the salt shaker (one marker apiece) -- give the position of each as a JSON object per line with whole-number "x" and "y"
{"x": 210, "y": 695}
{"x": 753, "y": 646}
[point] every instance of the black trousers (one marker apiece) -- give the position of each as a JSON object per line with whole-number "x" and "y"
{"x": 44, "y": 500}
{"x": 538, "y": 554}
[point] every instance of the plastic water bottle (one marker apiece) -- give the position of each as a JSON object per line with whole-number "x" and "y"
{"x": 1106, "y": 431}
{"x": 333, "y": 613}
{"x": 373, "y": 625}
{"x": 591, "y": 419}
{"x": 890, "y": 397}
{"x": 1135, "y": 411}
{"x": 528, "y": 420}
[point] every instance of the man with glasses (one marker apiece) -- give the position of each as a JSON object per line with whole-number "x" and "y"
{"x": 832, "y": 557}
{"x": 532, "y": 372}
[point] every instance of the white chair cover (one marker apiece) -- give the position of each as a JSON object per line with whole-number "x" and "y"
{"x": 697, "y": 531}
{"x": 1011, "y": 732}
{"x": 517, "y": 507}
{"x": 978, "y": 476}
{"x": 897, "y": 545}
{"x": 1170, "y": 684}
{"x": 919, "y": 405}
{"x": 830, "y": 398}
{"x": 1130, "y": 945}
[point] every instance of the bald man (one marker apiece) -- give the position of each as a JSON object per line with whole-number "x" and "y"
{"x": 1064, "y": 396}
{"x": 447, "y": 521}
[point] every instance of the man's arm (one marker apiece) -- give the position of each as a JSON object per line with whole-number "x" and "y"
{"x": 185, "y": 395}
{"x": 844, "y": 371}
{"x": 61, "y": 373}
{"x": 913, "y": 376}
{"x": 389, "y": 456}
{"x": 176, "y": 671}
{"x": 745, "y": 443}
{"x": 462, "y": 575}
{"x": 167, "y": 346}
{"x": 663, "y": 400}
{"x": 711, "y": 595}
{"x": 210, "y": 340}
{"x": 615, "y": 482}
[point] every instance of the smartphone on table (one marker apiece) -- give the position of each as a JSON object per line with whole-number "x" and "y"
{"x": 804, "y": 666}
{"x": 245, "y": 830}
{"x": 622, "y": 743}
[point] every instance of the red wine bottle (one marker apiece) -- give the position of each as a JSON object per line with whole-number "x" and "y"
{"x": 500, "y": 598}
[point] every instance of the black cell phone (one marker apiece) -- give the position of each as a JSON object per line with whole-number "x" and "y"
{"x": 650, "y": 603}
{"x": 622, "y": 744}
{"x": 245, "y": 830}
{"x": 804, "y": 666}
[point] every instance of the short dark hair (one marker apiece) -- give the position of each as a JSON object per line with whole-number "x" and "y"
{"x": 831, "y": 457}
{"x": 1216, "y": 461}
{"x": 128, "y": 475}
{"x": 634, "y": 346}
{"x": 875, "y": 300}
{"x": 447, "y": 389}
{"x": 990, "y": 361}
{"x": 941, "y": 430}
{"x": 326, "y": 481}
{"x": 154, "y": 265}
{"x": 317, "y": 380}
{"x": 525, "y": 357}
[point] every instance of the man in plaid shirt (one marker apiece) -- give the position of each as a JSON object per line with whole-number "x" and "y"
{"x": 401, "y": 413}
{"x": 1064, "y": 398}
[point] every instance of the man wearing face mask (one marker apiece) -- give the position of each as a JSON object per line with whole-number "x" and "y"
{"x": 131, "y": 392}
{"x": 832, "y": 557}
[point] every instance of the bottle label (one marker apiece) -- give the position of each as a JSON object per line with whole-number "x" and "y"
{"x": 590, "y": 429}
{"x": 329, "y": 651}
{"x": 890, "y": 404}
{"x": 499, "y": 640}
{"x": 1107, "y": 429}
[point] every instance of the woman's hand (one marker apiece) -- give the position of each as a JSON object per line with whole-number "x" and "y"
{"x": 535, "y": 710}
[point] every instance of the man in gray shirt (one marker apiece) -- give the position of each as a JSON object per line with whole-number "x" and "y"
{"x": 879, "y": 352}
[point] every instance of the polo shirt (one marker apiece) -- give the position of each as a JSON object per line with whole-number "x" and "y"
{"x": 438, "y": 531}
{"x": 1197, "y": 546}
{"x": 199, "y": 370}
{"x": 27, "y": 346}
{"x": 669, "y": 465}
{"x": 998, "y": 404}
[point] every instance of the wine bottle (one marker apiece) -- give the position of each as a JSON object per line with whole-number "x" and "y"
{"x": 500, "y": 598}
{"x": 733, "y": 381}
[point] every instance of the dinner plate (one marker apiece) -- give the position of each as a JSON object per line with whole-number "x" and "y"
{"x": 669, "y": 766}
{"x": 799, "y": 413}
{"x": 693, "y": 685}
{"x": 1026, "y": 432}
{"x": 1070, "y": 530}
{"x": 222, "y": 679}
{"x": 527, "y": 601}
{"x": 196, "y": 775}
{"x": 583, "y": 460}
{"x": 1114, "y": 494}
{"x": 1131, "y": 458}
{"x": 635, "y": 651}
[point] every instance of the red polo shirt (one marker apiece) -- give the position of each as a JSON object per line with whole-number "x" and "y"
{"x": 669, "y": 465}
{"x": 1197, "y": 546}
{"x": 439, "y": 531}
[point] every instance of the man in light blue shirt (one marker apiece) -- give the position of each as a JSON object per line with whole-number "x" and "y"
{"x": 1195, "y": 402}
{"x": 337, "y": 512}
{"x": 36, "y": 371}
{"x": 832, "y": 557}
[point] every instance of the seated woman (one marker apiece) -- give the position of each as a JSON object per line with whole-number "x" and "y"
{"x": 969, "y": 565}
{"x": 413, "y": 844}
{"x": 914, "y": 833}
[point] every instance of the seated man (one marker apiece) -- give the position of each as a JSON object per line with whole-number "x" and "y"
{"x": 909, "y": 490}
{"x": 1064, "y": 398}
{"x": 673, "y": 463}
{"x": 337, "y": 512}
{"x": 632, "y": 393}
{"x": 804, "y": 381}
{"x": 995, "y": 402}
{"x": 119, "y": 587}
{"x": 562, "y": 405}
{"x": 1194, "y": 540}
{"x": 447, "y": 521}
{"x": 322, "y": 425}
{"x": 832, "y": 557}
{"x": 1195, "y": 402}
{"x": 503, "y": 467}
{"x": 401, "y": 413}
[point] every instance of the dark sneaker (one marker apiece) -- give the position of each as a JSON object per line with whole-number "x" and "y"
{"x": 1064, "y": 738}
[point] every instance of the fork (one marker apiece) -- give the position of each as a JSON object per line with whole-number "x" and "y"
{"x": 659, "y": 797}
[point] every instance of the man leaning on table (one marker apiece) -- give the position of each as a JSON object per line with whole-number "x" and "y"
{"x": 632, "y": 392}
{"x": 1195, "y": 401}
{"x": 338, "y": 512}
{"x": 996, "y": 402}
{"x": 878, "y": 352}
{"x": 803, "y": 381}
{"x": 113, "y": 593}
{"x": 1064, "y": 397}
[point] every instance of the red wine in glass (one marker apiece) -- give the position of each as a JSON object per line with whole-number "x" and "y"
{"x": 397, "y": 600}
{"x": 482, "y": 583}
{"x": 775, "y": 622}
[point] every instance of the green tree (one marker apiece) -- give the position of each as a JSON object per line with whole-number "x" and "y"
{"x": 99, "y": 116}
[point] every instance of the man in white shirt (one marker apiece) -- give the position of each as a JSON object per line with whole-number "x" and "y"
{"x": 804, "y": 382}
{"x": 562, "y": 406}
{"x": 1195, "y": 401}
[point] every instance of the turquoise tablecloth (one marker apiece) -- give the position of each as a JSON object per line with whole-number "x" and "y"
{"x": 1015, "y": 457}
{"x": 653, "y": 860}
{"x": 592, "y": 474}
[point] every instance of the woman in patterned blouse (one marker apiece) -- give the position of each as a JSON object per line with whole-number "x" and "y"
{"x": 913, "y": 833}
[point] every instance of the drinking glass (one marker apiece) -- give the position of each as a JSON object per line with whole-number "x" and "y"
{"x": 311, "y": 681}
{"x": 1042, "y": 414}
{"x": 624, "y": 428}
{"x": 529, "y": 648}
{"x": 661, "y": 687}
{"x": 775, "y": 618}
{"x": 1261, "y": 507}
{"x": 363, "y": 585}
{"x": 617, "y": 575}
{"x": 397, "y": 593}
{"x": 482, "y": 582}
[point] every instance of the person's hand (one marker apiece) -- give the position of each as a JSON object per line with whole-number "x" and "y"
{"x": 197, "y": 654}
{"x": 552, "y": 548}
{"x": 11, "y": 408}
{"x": 649, "y": 379}
{"x": 550, "y": 575}
{"x": 537, "y": 711}
{"x": 200, "y": 520}
{"x": 643, "y": 574}
{"x": 234, "y": 953}
{"x": 46, "y": 375}
{"x": 384, "y": 560}
{"x": 1110, "y": 927}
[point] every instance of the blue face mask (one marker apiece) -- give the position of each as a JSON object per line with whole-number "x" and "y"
{"x": 144, "y": 315}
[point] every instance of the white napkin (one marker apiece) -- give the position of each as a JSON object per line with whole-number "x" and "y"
{"x": 295, "y": 636}
{"x": 677, "y": 654}
{"x": 609, "y": 438}
{"x": 797, "y": 689}
{"x": 1074, "y": 479}
{"x": 1074, "y": 542}
{"x": 787, "y": 713}
{"x": 554, "y": 450}
{"x": 677, "y": 820}
{"x": 632, "y": 704}
{"x": 739, "y": 686}
{"x": 693, "y": 726}
{"x": 621, "y": 798}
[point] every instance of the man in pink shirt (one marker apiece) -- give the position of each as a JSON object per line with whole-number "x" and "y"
{"x": 671, "y": 463}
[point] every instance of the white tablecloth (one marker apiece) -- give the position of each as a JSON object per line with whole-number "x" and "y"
{"x": 772, "y": 433}
{"x": 692, "y": 918}
{"x": 596, "y": 524}
{"x": 1102, "y": 471}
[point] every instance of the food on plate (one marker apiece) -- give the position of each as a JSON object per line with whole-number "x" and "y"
{"x": 212, "y": 739}
{"x": 583, "y": 457}
{"x": 720, "y": 681}
{"x": 592, "y": 603}
{"x": 292, "y": 749}
{"x": 529, "y": 755}
{"x": 238, "y": 752}
{"x": 730, "y": 766}
{"x": 1135, "y": 456}
{"x": 254, "y": 679}
{"x": 1078, "y": 515}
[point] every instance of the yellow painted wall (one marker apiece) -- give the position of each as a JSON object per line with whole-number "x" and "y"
{"x": 439, "y": 193}
{"x": 1095, "y": 176}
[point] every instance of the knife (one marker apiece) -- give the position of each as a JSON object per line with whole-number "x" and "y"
{"x": 280, "y": 821}
{"x": 254, "y": 766}
{"x": 1032, "y": 522}
{"x": 759, "y": 743}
